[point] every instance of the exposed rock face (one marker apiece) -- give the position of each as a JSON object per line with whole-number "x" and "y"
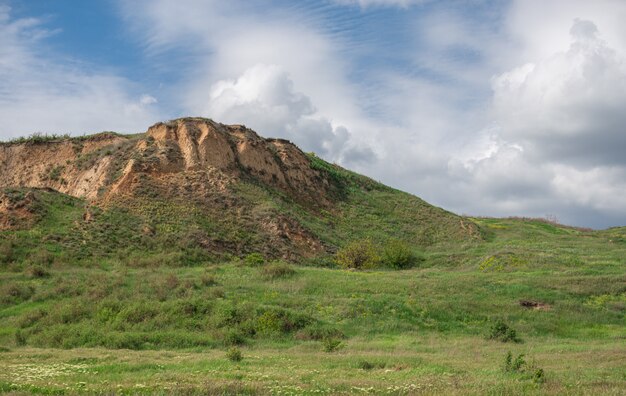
{"x": 190, "y": 160}
{"x": 104, "y": 165}
{"x": 52, "y": 165}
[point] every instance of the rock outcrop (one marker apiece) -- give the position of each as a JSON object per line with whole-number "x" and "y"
{"x": 101, "y": 166}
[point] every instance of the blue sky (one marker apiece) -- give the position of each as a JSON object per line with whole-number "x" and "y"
{"x": 502, "y": 107}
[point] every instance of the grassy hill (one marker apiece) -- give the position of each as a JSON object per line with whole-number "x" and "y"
{"x": 66, "y": 287}
{"x": 149, "y": 287}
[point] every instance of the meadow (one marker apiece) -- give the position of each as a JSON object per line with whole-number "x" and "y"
{"x": 554, "y": 294}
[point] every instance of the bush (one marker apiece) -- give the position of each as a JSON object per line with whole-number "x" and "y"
{"x": 503, "y": 332}
{"x": 520, "y": 366}
{"x": 398, "y": 255}
{"x": 514, "y": 365}
{"x": 37, "y": 271}
{"x": 277, "y": 270}
{"x": 366, "y": 365}
{"x": 254, "y": 260}
{"x": 234, "y": 354}
{"x": 234, "y": 337}
{"x": 319, "y": 261}
{"x": 278, "y": 320}
{"x": 331, "y": 344}
{"x": 359, "y": 254}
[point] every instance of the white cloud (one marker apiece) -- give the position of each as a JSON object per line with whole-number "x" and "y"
{"x": 41, "y": 94}
{"x": 559, "y": 140}
{"x": 264, "y": 96}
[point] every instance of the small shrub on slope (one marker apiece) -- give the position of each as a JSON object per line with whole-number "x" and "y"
{"x": 234, "y": 355}
{"x": 502, "y": 332}
{"x": 397, "y": 254}
{"x": 359, "y": 254}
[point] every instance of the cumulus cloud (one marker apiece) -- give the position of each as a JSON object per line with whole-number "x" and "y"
{"x": 569, "y": 106}
{"x": 264, "y": 96}
{"x": 559, "y": 139}
{"x": 41, "y": 94}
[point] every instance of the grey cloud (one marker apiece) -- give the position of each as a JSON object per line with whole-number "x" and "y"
{"x": 568, "y": 107}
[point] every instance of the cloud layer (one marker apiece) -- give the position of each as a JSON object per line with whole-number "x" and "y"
{"x": 486, "y": 108}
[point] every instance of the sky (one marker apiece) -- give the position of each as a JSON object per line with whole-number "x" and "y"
{"x": 482, "y": 107}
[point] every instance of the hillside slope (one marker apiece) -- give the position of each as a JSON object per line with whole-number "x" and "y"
{"x": 196, "y": 185}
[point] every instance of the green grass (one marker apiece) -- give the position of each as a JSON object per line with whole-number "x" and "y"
{"x": 148, "y": 295}
{"x": 422, "y": 329}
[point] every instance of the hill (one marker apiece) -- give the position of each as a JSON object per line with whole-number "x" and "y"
{"x": 195, "y": 187}
{"x": 151, "y": 264}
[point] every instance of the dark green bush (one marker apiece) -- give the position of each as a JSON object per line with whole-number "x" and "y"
{"x": 208, "y": 280}
{"x": 331, "y": 344}
{"x": 514, "y": 365}
{"x": 6, "y": 252}
{"x": 234, "y": 354}
{"x": 234, "y": 337}
{"x": 278, "y": 320}
{"x": 367, "y": 365}
{"x": 320, "y": 261}
{"x": 502, "y": 332}
{"x": 398, "y": 254}
{"x": 37, "y": 271}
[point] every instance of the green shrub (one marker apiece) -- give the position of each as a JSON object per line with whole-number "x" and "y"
{"x": 397, "y": 254}
{"x": 234, "y": 354}
{"x": 366, "y": 365}
{"x": 234, "y": 337}
{"x": 278, "y": 320}
{"x": 359, "y": 254}
{"x": 37, "y": 271}
{"x": 277, "y": 270}
{"x": 502, "y": 332}
{"x": 254, "y": 260}
{"x": 42, "y": 257}
{"x": 539, "y": 376}
{"x": 331, "y": 344}
{"x": 514, "y": 365}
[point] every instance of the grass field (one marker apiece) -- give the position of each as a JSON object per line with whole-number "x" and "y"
{"x": 110, "y": 328}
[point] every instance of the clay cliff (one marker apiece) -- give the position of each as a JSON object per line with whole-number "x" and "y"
{"x": 101, "y": 166}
